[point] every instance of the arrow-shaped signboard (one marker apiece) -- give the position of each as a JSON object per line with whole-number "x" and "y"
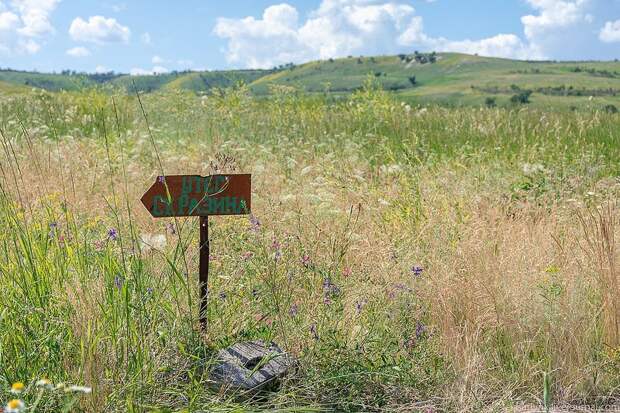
{"x": 194, "y": 195}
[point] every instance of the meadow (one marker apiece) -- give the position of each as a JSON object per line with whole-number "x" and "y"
{"x": 412, "y": 258}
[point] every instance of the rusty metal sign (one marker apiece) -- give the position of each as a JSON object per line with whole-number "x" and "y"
{"x": 194, "y": 195}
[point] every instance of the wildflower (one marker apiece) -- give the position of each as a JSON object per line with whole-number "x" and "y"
{"x": 254, "y": 293}
{"x": 247, "y": 255}
{"x": 112, "y": 234}
{"x": 15, "y": 406}
{"x": 417, "y": 271}
{"x": 222, "y": 295}
{"x": 254, "y": 223}
{"x": 152, "y": 241}
{"x": 161, "y": 179}
{"x": 98, "y": 245}
{"x": 119, "y": 281}
{"x": 45, "y": 383}
{"x": 359, "y": 305}
{"x": 327, "y": 300}
{"x": 346, "y": 272}
{"x": 293, "y": 310}
{"x": 420, "y": 329}
{"x": 330, "y": 288}
{"x": 17, "y": 387}
{"x": 305, "y": 261}
{"x": 53, "y": 229}
{"x": 170, "y": 228}
{"x": 315, "y": 335}
{"x": 79, "y": 389}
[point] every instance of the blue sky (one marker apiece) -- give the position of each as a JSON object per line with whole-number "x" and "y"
{"x": 141, "y": 36}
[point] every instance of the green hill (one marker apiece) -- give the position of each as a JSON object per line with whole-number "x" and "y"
{"x": 459, "y": 79}
{"x": 443, "y": 78}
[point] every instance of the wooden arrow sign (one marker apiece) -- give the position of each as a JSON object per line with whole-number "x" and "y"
{"x": 194, "y": 195}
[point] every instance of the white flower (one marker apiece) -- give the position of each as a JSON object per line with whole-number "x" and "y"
{"x": 45, "y": 383}
{"x": 15, "y": 406}
{"x": 79, "y": 389}
{"x": 531, "y": 169}
{"x": 152, "y": 241}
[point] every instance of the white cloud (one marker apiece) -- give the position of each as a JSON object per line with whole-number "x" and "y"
{"x": 557, "y": 21}
{"x": 610, "y": 33}
{"x": 340, "y": 28}
{"x": 145, "y": 38}
{"x": 99, "y": 30}
{"x": 157, "y": 60}
{"x": 78, "y": 52}
{"x": 501, "y": 45}
{"x": 8, "y": 21}
{"x": 23, "y": 22}
{"x": 136, "y": 71}
{"x": 101, "y": 69}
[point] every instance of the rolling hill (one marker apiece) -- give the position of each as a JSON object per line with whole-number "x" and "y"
{"x": 443, "y": 78}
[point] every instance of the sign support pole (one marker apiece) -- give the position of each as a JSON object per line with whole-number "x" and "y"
{"x": 203, "y": 272}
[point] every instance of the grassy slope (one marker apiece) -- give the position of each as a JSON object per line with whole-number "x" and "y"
{"x": 456, "y": 79}
{"x": 450, "y": 80}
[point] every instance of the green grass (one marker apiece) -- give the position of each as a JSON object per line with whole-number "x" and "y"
{"x": 453, "y": 80}
{"x": 508, "y": 211}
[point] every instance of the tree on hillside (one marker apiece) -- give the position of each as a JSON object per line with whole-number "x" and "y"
{"x": 412, "y": 80}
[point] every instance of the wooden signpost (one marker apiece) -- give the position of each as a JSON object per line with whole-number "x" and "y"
{"x": 194, "y": 195}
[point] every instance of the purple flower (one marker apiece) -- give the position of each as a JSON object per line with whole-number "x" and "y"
{"x": 53, "y": 229}
{"x": 327, "y": 300}
{"x": 161, "y": 179}
{"x": 359, "y": 305}
{"x": 275, "y": 245}
{"x": 330, "y": 288}
{"x": 315, "y": 335}
{"x": 305, "y": 261}
{"x": 417, "y": 271}
{"x": 53, "y": 225}
{"x": 149, "y": 290}
{"x": 170, "y": 228}
{"x": 293, "y": 310}
{"x": 254, "y": 223}
{"x": 420, "y": 329}
{"x": 112, "y": 234}
{"x": 119, "y": 280}
{"x": 222, "y": 295}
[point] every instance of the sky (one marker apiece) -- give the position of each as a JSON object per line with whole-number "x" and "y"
{"x": 158, "y": 36}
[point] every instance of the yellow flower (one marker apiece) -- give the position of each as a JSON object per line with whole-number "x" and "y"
{"x": 15, "y": 406}
{"x": 17, "y": 387}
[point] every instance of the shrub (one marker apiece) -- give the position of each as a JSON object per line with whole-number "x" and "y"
{"x": 490, "y": 102}
{"x": 521, "y": 98}
{"x": 611, "y": 109}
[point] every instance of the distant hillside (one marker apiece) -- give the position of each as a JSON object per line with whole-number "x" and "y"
{"x": 444, "y": 78}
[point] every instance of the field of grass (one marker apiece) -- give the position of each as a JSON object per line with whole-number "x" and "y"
{"x": 452, "y": 80}
{"x": 412, "y": 258}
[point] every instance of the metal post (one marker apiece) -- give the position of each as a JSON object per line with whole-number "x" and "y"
{"x": 203, "y": 272}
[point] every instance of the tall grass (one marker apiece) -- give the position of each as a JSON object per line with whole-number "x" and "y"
{"x": 411, "y": 258}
